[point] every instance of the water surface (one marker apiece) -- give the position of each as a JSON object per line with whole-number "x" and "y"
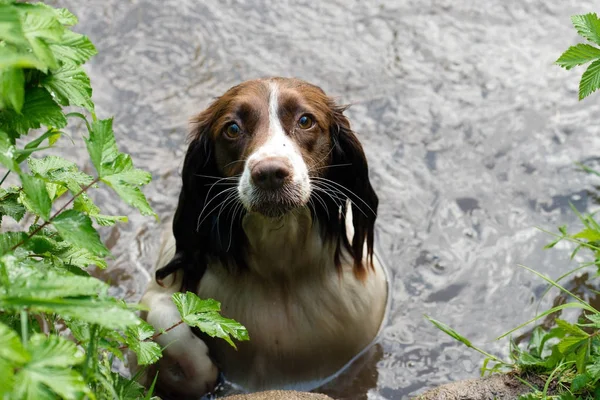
{"x": 471, "y": 134}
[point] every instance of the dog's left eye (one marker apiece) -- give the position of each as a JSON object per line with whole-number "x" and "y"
{"x": 305, "y": 122}
{"x": 233, "y": 131}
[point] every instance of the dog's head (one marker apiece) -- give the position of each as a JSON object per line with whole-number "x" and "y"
{"x": 271, "y": 146}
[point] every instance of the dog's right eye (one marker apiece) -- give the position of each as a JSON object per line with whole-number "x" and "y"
{"x": 233, "y": 131}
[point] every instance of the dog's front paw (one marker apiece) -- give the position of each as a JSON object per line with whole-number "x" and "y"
{"x": 186, "y": 370}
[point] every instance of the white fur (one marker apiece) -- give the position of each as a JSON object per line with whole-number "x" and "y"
{"x": 305, "y": 320}
{"x": 278, "y": 144}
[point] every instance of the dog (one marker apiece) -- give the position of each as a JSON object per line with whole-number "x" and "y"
{"x": 275, "y": 220}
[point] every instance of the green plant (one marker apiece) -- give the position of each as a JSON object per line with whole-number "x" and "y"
{"x": 567, "y": 356}
{"x": 60, "y": 330}
{"x": 588, "y": 26}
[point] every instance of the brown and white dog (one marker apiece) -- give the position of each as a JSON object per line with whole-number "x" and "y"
{"x": 275, "y": 220}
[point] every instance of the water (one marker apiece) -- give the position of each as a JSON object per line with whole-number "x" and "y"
{"x": 471, "y": 132}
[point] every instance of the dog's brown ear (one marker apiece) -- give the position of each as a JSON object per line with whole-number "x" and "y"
{"x": 354, "y": 181}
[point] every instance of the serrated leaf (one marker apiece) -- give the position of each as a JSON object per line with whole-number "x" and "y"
{"x": 588, "y": 26}
{"x": 130, "y": 194}
{"x": 102, "y": 146}
{"x": 590, "y": 80}
{"x": 37, "y": 198}
{"x": 8, "y": 153}
{"x": 74, "y": 48}
{"x": 10, "y": 206}
{"x": 12, "y": 91}
{"x": 81, "y": 258}
{"x": 147, "y": 352}
{"x": 109, "y": 220}
{"x": 594, "y": 370}
{"x": 121, "y": 168}
{"x": 58, "y": 170}
{"x": 578, "y": 55}
{"x": 53, "y": 351}
{"x": 11, "y": 348}
{"x": 52, "y": 285}
{"x": 579, "y": 382}
{"x": 571, "y": 329}
{"x": 71, "y": 86}
{"x": 566, "y": 343}
{"x": 65, "y": 17}
{"x": 32, "y": 383}
{"x": 76, "y": 228}
{"x": 17, "y": 58}
{"x": 41, "y": 27}
{"x": 204, "y": 314}
{"x": 8, "y": 240}
{"x": 38, "y": 109}
{"x": 10, "y": 25}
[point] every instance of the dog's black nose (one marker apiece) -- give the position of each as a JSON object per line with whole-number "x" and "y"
{"x": 270, "y": 173}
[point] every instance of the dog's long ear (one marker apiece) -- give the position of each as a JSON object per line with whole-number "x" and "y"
{"x": 354, "y": 178}
{"x": 191, "y": 246}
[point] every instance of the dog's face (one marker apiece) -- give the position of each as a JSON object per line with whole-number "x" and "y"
{"x": 270, "y": 146}
{"x": 272, "y": 137}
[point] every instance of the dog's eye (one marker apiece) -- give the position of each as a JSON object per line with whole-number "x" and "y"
{"x": 305, "y": 122}
{"x": 233, "y": 131}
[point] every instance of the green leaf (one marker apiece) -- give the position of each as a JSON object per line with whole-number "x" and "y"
{"x": 53, "y": 351}
{"x": 41, "y": 27}
{"x": 10, "y": 346}
{"x": 17, "y": 58}
{"x": 450, "y": 332}
{"x": 204, "y": 314}
{"x": 65, "y": 17}
{"x": 8, "y": 240}
{"x": 590, "y": 80}
{"x": 12, "y": 88}
{"x": 578, "y": 55}
{"x": 51, "y": 134}
{"x": 58, "y": 170}
{"x": 594, "y": 370}
{"x": 8, "y": 153}
{"x": 579, "y": 382}
{"x": 76, "y": 228}
{"x": 81, "y": 258}
{"x": 10, "y": 206}
{"x": 74, "y": 48}
{"x": 71, "y": 86}
{"x": 38, "y": 109}
{"x": 36, "y": 195}
{"x": 147, "y": 352}
{"x": 571, "y": 329}
{"x": 102, "y": 146}
{"x": 10, "y": 25}
{"x": 568, "y": 342}
{"x": 588, "y": 26}
{"x": 130, "y": 194}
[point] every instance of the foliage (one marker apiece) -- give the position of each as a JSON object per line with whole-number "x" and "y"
{"x": 587, "y": 26}
{"x": 567, "y": 355}
{"x": 60, "y": 330}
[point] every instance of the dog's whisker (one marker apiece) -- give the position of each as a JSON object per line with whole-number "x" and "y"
{"x": 219, "y": 177}
{"x": 207, "y": 203}
{"x": 330, "y": 166}
{"x": 348, "y": 190}
{"x": 332, "y": 190}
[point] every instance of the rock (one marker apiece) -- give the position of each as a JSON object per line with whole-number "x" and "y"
{"x": 494, "y": 387}
{"x": 279, "y": 395}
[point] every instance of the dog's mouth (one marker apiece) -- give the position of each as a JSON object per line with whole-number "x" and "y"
{"x": 275, "y": 203}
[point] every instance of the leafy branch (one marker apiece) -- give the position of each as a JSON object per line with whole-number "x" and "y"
{"x": 588, "y": 27}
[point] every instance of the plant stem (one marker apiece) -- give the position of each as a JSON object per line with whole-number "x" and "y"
{"x": 157, "y": 334}
{"x": 90, "y": 353}
{"x": 4, "y": 177}
{"x": 46, "y": 223}
{"x": 24, "y": 327}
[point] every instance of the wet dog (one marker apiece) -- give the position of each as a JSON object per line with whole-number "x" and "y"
{"x": 276, "y": 221}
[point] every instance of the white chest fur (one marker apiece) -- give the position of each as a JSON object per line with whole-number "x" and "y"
{"x": 306, "y": 319}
